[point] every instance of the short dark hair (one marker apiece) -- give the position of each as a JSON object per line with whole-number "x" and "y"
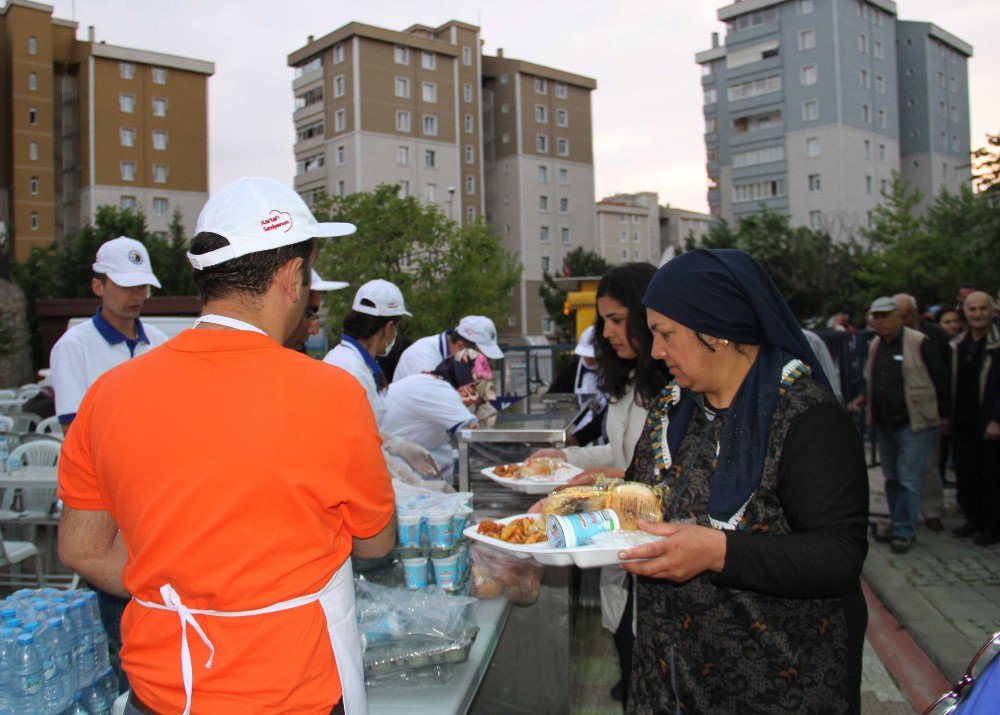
{"x": 102, "y": 277}
{"x": 627, "y": 284}
{"x": 251, "y": 274}
{"x": 360, "y": 325}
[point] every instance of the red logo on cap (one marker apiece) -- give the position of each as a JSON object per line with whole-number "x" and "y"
{"x": 277, "y": 220}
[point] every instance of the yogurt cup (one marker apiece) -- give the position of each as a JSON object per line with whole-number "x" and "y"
{"x": 446, "y": 571}
{"x": 415, "y": 573}
{"x": 408, "y": 530}
{"x": 458, "y": 521}
{"x": 439, "y": 531}
{"x": 578, "y": 529}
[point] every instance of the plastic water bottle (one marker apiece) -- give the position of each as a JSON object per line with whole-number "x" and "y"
{"x": 110, "y": 685}
{"x": 85, "y": 659}
{"x": 77, "y": 707}
{"x": 76, "y": 650}
{"x": 60, "y": 696}
{"x": 26, "y": 677}
{"x": 55, "y": 692}
{"x": 95, "y": 702}
{"x": 4, "y": 448}
{"x": 8, "y": 638}
{"x": 102, "y": 656}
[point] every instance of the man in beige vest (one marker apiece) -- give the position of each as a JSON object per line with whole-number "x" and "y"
{"x": 907, "y": 397}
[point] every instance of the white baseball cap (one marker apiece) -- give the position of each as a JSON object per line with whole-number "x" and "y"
{"x": 258, "y": 214}
{"x": 481, "y": 330}
{"x": 585, "y": 345}
{"x": 383, "y": 298}
{"x": 126, "y": 262}
{"x": 321, "y": 285}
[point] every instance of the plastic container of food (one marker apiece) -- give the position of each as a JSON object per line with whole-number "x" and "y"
{"x": 579, "y": 529}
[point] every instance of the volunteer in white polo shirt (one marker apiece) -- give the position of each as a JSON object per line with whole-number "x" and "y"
{"x": 370, "y": 329}
{"x": 310, "y": 319}
{"x": 473, "y": 331}
{"x": 122, "y": 279}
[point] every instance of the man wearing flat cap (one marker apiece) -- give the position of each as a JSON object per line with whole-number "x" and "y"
{"x": 907, "y": 397}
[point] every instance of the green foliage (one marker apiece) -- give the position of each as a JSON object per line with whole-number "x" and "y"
{"x": 445, "y": 270}
{"x": 987, "y": 166}
{"x": 579, "y": 262}
{"x": 169, "y": 258}
{"x": 12, "y": 334}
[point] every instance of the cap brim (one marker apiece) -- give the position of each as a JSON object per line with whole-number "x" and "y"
{"x": 584, "y": 352}
{"x": 333, "y": 230}
{"x": 131, "y": 280}
{"x": 493, "y": 352}
{"x": 327, "y": 285}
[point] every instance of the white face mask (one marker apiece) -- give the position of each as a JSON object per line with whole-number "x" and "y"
{"x": 388, "y": 348}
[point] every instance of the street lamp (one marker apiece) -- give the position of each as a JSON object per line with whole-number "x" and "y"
{"x": 451, "y": 195}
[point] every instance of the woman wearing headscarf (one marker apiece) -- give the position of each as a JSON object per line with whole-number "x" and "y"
{"x": 751, "y": 601}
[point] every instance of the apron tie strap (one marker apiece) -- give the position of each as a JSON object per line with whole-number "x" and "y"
{"x": 173, "y": 602}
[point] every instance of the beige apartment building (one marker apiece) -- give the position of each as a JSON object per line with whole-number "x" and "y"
{"x": 634, "y": 227}
{"x": 85, "y": 124}
{"x": 476, "y": 136}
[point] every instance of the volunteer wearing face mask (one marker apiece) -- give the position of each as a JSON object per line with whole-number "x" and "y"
{"x": 370, "y": 329}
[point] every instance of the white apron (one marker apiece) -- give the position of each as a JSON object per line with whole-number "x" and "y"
{"x": 337, "y": 601}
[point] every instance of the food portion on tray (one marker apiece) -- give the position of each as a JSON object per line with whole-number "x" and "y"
{"x": 533, "y": 476}
{"x": 586, "y": 525}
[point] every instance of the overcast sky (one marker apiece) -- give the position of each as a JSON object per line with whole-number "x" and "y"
{"x": 647, "y": 108}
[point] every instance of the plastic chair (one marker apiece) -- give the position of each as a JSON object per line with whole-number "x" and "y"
{"x": 50, "y": 426}
{"x": 8, "y": 394}
{"x": 28, "y": 391}
{"x": 25, "y": 421}
{"x": 13, "y": 553}
{"x": 37, "y": 502}
{"x": 6, "y": 424}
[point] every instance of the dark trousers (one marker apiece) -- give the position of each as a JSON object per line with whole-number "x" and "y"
{"x": 970, "y": 469}
{"x": 112, "y": 608}
{"x": 624, "y": 640}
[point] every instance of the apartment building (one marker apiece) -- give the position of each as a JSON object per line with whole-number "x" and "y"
{"x": 479, "y": 137}
{"x": 635, "y": 227}
{"x": 805, "y": 110}
{"x": 85, "y": 124}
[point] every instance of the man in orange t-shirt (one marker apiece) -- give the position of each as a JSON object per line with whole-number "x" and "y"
{"x": 211, "y": 481}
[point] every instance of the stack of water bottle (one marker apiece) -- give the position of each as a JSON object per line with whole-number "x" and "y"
{"x": 54, "y": 655}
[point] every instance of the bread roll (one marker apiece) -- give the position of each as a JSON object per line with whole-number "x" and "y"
{"x": 633, "y": 501}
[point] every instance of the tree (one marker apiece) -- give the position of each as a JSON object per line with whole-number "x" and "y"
{"x": 169, "y": 259}
{"x": 987, "y": 166}
{"x": 579, "y": 262}
{"x": 445, "y": 270}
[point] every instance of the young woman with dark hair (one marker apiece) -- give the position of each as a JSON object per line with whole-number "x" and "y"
{"x": 632, "y": 380}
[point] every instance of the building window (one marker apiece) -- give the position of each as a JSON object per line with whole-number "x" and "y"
{"x": 543, "y": 234}
{"x": 160, "y": 206}
{"x": 160, "y": 140}
{"x": 159, "y": 107}
{"x": 429, "y": 158}
{"x": 813, "y": 147}
{"x": 758, "y": 191}
{"x": 866, "y": 114}
{"x": 402, "y": 121}
{"x": 338, "y": 86}
{"x": 753, "y": 157}
{"x": 863, "y": 43}
{"x": 880, "y": 84}
{"x": 952, "y": 84}
{"x": 561, "y": 90}
{"x": 543, "y": 203}
{"x": 32, "y": 115}
{"x": 314, "y": 129}
{"x": 881, "y": 152}
{"x": 562, "y": 118}
{"x": 403, "y": 155}
{"x": 804, "y": 7}
{"x": 470, "y": 154}
{"x": 807, "y": 39}
{"x": 402, "y": 87}
{"x": 32, "y": 46}
{"x": 33, "y": 185}
{"x": 543, "y": 174}
{"x": 339, "y": 155}
{"x": 309, "y": 97}
{"x": 470, "y": 125}
{"x": 32, "y": 81}
{"x": 810, "y": 111}
{"x": 562, "y": 147}
{"x": 430, "y": 91}
{"x": 126, "y": 102}
{"x": 564, "y": 205}
{"x": 814, "y": 184}
{"x": 867, "y": 149}
{"x": 128, "y": 203}
{"x": 954, "y": 113}
{"x": 338, "y": 53}
{"x": 401, "y": 55}
{"x": 504, "y": 108}
{"x": 880, "y": 119}
{"x": 563, "y": 177}
{"x": 467, "y": 92}
{"x": 542, "y": 143}
{"x": 541, "y": 86}
{"x": 126, "y": 70}
{"x": 505, "y": 138}
{"x": 404, "y": 188}
{"x": 868, "y": 184}
{"x": 545, "y": 269}
{"x": 428, "y": 60}
{"x": 127, "y": 169}
{"x": 430, "y": 125}
{"x": 470, "y": 184}
{"x": 541, "y": 113}
{"x": 754, "y": 88}
{"x": 342, "y": 188}
{"x": 470, "y": 214}
{"x": 808, "y": 75}
{"x": 864, "y": 79}
{"x": 564, "y": 235}
{"x": 431, "y": 193}
{"x": 33, "y": 220}
{"x": 815, "y": 220}
{"x": 160, "y": 173}
{"x": 877, "y": 49}
{"x": 33, "y": 151}
{"x": 339, "y": 120}
{"x": 624, "y": 254}
{"x": 711, "y": 96}
{"x": 467, "y": 56}
{"x": 159, "y": 75}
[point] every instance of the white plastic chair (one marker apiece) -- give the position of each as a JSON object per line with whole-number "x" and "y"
{"x": 8, "y": 394}
{"x": 28, "y": 391}
{"x": 6, "y": 424}
{"x": 50, "y": 426}
{"x": 37, "y": 502}
{"x": 25, "y": 421}
{"x": 13, "y": 553}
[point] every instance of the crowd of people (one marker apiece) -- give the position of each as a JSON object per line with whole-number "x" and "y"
{"x": 216, "y": 487}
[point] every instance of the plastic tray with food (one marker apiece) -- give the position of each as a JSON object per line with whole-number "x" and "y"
{"x": 534, "y": 476}
{"x": 415, "y": 651}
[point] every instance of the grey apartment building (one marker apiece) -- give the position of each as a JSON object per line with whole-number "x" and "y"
{"x": 811, "y": 105}
{"x": 479, "y": 137}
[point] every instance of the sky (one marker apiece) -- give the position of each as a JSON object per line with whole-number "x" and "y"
{"x": 647, "y": 109}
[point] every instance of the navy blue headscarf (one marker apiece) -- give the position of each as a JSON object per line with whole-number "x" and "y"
{"x": 726, "y": 294}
